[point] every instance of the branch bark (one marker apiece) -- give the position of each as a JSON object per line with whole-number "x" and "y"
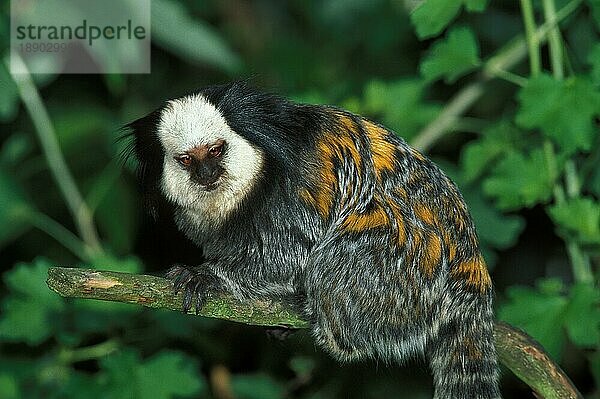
{"x": 516, "y": 350}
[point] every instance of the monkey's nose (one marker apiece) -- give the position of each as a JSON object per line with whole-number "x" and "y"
{"x": 206, "y": 175}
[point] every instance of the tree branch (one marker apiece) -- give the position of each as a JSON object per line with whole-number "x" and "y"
{"x": 516, "y": 350}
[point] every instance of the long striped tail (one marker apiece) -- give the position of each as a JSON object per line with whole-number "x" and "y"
{"x": 462, "y": 357}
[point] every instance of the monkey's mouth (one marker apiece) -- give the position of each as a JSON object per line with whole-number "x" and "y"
{"x": 210, "y": 186}
{"x": 213, "y": 185}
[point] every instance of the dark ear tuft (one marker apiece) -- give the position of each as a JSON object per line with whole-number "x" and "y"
{"x": 144, "y": 144}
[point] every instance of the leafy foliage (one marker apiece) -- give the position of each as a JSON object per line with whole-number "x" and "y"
{"x": 434, "y": 15}
{"x": 578, "y": 218}
{"x": 27, "y": 314}
{"x": 520, "y": 180}
{"x": 521, "y": 141}
{"x": 543, "y": 106}
{"x": 453, "y": 57}
{"x": 165, "y": 375}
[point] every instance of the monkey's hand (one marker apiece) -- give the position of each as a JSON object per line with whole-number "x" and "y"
{"x": 195, "y": 282}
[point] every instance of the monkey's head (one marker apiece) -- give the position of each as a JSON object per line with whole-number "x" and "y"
{"x": 199, "y": 153}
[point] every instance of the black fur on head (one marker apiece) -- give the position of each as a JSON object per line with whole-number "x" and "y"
{"x": 149, "y": 154}
{"x": 278, "y": 126}
{"x": 282, "y": 129}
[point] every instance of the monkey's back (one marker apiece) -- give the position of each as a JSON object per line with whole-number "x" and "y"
{"x": 399, "y": 258}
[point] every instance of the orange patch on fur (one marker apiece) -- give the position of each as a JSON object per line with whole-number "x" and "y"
{"x": 424, "y": 213}
{"x": 381, "y": 149}
{"x": 475, "y": 273}
{"x": 331, "y": 148}
{"x": 357, "y": 222}
{"x": 399, "y": 220}
{"x": 322, "y": 201}
{"x": 417, "y": 154}
{"x": 432, "y": 255}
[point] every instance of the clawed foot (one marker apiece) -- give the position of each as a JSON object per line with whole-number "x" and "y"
{"x": 195, "y": 282}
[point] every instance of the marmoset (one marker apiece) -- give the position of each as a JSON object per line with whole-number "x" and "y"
{"x": 334, "y": 211}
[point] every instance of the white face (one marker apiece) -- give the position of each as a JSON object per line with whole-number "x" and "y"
{"x": 189, "y": 123}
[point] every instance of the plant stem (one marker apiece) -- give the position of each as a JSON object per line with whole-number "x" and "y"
{"x": 60, "y": 233}
{"x": 561, "y": 14}
{"x": 554, "y": 40}
{"x": 580, "y": 261}
{"x": 533, "y": 44}
{"x": 56, "y": 162}
{"x": 97, "y": 351}
{"x": 571, "y": 179}
{"x": 448, "y": 117}
{"x": 551, "y": 165}
{"x": 504, "y": 59}
{"x": 511, "y": 77}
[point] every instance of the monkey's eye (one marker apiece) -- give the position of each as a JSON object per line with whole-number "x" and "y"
{"x": 216, "y": 150}
{"x": 184, "y": 160}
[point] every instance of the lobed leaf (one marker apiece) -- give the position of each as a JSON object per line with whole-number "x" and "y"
{"x": 432, "y": 16}
{"x": 578, "y": 218}
{"x": 539, "y": 312}
{"x": 452, "y": 57}
{"x": 519, "y": 180}
{"x": 27, "y": 310}
{"x": 563, "y": 110}
{"x": 165, "y": 375}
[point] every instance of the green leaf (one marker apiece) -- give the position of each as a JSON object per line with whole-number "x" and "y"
{"x": 497, "y": 140}
{"x": 540, "y": 312}
{"x": 175, "y": 31}
{"x": 519, "y": 180}
{"x": 165, "y": 375}
{"x": 9, "y": 388}
{"x": 170, "y": 373}
{"x": 582, "y": 317}
{"x": 494, "y": 228}
{"x": 27, "y": 312}
{"x": 562, "y": 110}
{"x": 256, "y": 386}
{"x": 399, "y": 105}
{"x": 119, "y": 373}
{"x": 434, "y": 15}
{"x": 579, "y": 218}
{"x": 452, "y": 57}
{"x": 476, "y": 5}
